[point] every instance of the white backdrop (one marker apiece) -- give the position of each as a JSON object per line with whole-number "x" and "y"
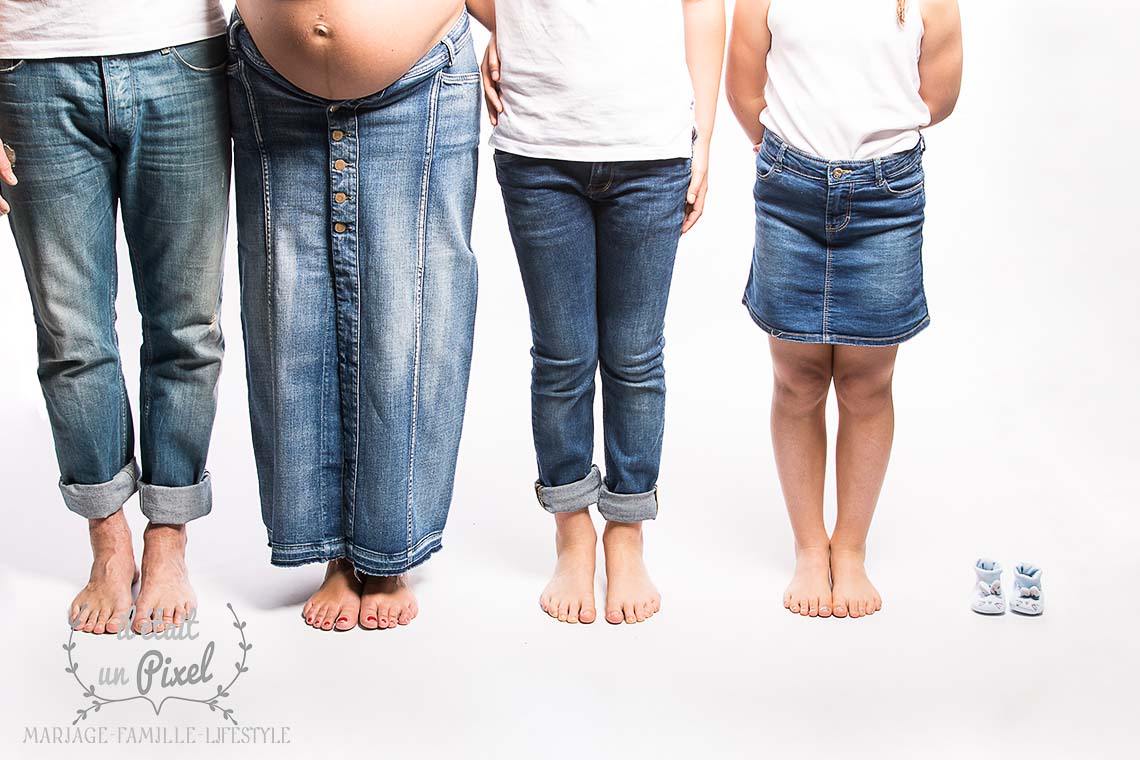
{"x": 1017, "y": 420}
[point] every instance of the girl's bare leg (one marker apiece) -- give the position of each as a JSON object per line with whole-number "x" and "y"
{"x": 866, "y": 429}
{"x": 802, "y": 378}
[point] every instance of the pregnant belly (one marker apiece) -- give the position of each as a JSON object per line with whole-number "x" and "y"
{"x": 344, "y": 49}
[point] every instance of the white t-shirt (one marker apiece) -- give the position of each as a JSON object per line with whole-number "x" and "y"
{"x": 83, "y": 28}
{"x": 594, "y": 80}
{"x": 843, "y": 77}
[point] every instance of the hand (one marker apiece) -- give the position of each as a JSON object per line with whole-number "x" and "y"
{"x": 491, "y": 93}
{"x": 6, "y": 174}
{"x": 698, "y": 186}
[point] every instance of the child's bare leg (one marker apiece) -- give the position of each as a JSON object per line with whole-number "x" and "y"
{"x": 866, "y": 429}
{"x": 802, "y": 378}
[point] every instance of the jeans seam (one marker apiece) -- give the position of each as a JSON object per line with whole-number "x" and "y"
{"x": 351, "y": 511}
{"x": 268, "y": 232}
{"x": 421, "y": 258}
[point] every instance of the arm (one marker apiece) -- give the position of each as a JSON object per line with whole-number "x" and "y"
{"x": 747, "y": 72}
{"x": 484, "y": 12}
{"x": 6, "y": 174}
{"x": 704, "y": 53}
{"x": 940, "y": 62}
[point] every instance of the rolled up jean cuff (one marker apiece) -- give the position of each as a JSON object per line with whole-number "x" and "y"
{"x": 572, "y": 496}
{"x": 176, "y": 505}
{"x": 98, "y": 500}
{"x": 627, "y": 507}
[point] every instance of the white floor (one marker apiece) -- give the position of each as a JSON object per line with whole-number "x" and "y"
{"x": 1016, "y": 438}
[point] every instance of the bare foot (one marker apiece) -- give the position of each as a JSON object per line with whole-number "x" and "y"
{"x": 630, "y": 595}
{"x": 104, "y": 603}
{"x": 809, "y": 593}
{"x": 336, "y": 603}
{"x": 569, "y": 597}
{"x": 387, "y": 601}
{"x": 853, "y": 593}
{"x": 165, "y": 595}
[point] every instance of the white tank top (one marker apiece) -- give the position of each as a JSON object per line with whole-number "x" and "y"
{"x": 843, "y": 77}
{"x": 67, "y": 28}
{"x": 594, "y": 80}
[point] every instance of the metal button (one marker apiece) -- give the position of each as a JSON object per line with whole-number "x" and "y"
{"x": 340, "y": 164}
{"x": 340, "y": 227}
{"x": 337, "y": 135}
{"x": 837, "y": 173}
{"x": 333, "y": 109}
{"x": 340, "y": 197}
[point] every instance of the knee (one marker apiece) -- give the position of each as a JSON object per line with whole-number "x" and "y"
{"x": 567, "y": 371}
{"x": 636, "y": 363}
{"x": 863, "y": 392}
{"x": 801, "y": 387}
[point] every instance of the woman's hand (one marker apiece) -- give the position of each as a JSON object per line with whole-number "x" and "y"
{"x": 491, "y": 93}
{"x": 698, "y": 186}
{"x": 6, "y": 174}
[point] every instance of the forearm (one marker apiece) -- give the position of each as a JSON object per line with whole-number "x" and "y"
{"x": 483, "y": 11}
{"x": 704, "y": 53}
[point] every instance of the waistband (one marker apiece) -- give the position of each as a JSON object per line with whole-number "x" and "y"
{"x": 784, "y": 156}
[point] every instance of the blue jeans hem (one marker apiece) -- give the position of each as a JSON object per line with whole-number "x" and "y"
{"x": 836, "y": 340}
{"x": 98, "y": 500}
{"x": 570, "y": 497}
{"x": 363, "y": 560}
{"x": 176, "y": 505}
{"x": 627, "y": 507}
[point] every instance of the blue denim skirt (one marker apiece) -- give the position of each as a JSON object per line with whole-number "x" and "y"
{"x": 838, "y": 254}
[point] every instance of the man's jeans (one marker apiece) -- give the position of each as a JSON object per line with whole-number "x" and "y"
{"x": 149, "y": 134}
{"x": 596, "y": 244}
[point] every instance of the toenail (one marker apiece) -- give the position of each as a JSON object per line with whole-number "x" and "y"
{"x": 370, "y": 617}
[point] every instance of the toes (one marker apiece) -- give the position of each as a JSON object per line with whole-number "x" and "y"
{"x": 117, "y": 621}
{"x": 406, "y": 616}
{"x": 824, "y": 608}
{"x": 368, "y": 617}
{"x": 79, "y": 619}
{"x": 794, "y": 606}
{"x": 805, "y": 608}
{"x": 630, "y": 615}
{"x": 344, "y": 622}
{"x": 101, "y": 621}
{"x": 840, "y": 609}
{"x": 614, "y": 615}
{"x": 639, "y": 612}
{"x": 787, "y": 601}
{"x": 382, "y": 616}
{"x": 878, "y": 604}
{"x": 588, "y": 614}
{"x": 572, "y": 612}
{"x": 813, "y": 607}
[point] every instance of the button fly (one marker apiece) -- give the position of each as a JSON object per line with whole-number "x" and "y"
{"x": 340, "y": 197}
{"x": 340, "y": 164}
{"x": 337, "y": 135}
{"x": 340, "y": 227}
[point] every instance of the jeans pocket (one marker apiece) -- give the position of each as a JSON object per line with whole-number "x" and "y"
{"x": 8, "y": 65}
{"x": 907, "y": 182}
{"x": 205, "y": 57}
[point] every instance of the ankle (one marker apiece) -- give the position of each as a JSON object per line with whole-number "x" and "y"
{"x": 813, "y": 550}
{"x": 847, "y": 549}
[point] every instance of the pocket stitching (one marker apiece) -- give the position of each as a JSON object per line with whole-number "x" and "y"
{"x": 201, "y": 70}
{"x": 14, "y": 66}
{"x": 472, "y": 77}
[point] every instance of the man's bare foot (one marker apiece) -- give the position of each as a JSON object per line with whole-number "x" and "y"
{"x": 630, "y": 595}
{"x": 853, "y": 593}
{"x": 569, "y": 597}
{"x": 104, "y": 603}
{"x": 336, "y": 603}
{"x": 809, "y": 593}
{"x": 387, "y": 601}
{"x": 165, "y": 595}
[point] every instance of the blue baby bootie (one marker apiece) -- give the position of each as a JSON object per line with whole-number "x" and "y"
{"x": 988, "y": 598}
{"x": 1027, "y": 599}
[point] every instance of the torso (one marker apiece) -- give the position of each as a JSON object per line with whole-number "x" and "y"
{"x": 344, "y": 49}
{"x": 843, "y": 78}
{"x": 594, "y": 80}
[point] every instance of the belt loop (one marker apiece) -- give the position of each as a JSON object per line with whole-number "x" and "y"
{"x": 878, "y": 171}
{"x": 921, "y": 143}
{"x": 781, "y": 155}
{"x": 450, "y": 45}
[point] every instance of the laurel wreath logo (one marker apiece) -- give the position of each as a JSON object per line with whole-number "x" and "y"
{"x": 214, "y": 702}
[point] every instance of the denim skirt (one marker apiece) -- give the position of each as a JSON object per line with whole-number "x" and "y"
{"x": 358, "y": 301}
{"x": 838, "y": 254}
